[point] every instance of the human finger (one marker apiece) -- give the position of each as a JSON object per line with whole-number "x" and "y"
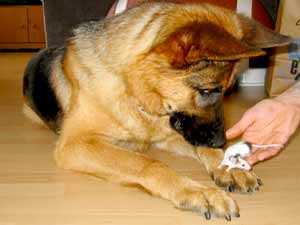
{"x": 247, "y": 119}
{"x": 266, "y": 154}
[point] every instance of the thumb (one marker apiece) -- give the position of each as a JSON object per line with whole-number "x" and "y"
{"x": 247, "y": 119}
{"x": 252, "y": 159}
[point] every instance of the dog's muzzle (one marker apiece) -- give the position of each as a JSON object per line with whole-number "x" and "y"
{"x": 199, "y": 132}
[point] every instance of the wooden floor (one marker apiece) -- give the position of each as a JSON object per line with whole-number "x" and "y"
{"x": 33, "y": 191}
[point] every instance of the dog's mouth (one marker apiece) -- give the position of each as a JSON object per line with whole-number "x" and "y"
{"x": 197, "y": 131}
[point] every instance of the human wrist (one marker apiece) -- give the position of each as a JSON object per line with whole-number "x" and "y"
{"x": 291, "y": 96}
{"x": 289, "y": 99}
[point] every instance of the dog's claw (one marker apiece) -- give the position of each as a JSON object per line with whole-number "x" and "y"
{"x": 231, "y": 188}
{"x": 259, "y": 181}
{"x": 238, "y": 215}
{"x": 207, "y": 215}
{"x": 228, "y": 218}
{"x": 217, "y": 181}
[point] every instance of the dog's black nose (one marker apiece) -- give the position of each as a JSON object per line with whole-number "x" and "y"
{"x": 219, "y": 142}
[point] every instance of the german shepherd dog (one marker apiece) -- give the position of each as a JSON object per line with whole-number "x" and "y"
{"x": 151, "y": 77}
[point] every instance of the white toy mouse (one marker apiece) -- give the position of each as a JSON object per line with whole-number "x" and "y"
{"x": 235, "y": 155}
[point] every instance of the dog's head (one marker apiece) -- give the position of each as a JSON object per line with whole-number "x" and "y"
{"x": 191, "y": 62}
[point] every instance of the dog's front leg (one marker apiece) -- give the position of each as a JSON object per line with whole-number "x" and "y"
{"x": 90, "y": 154}
{"x": 235, "y": 179}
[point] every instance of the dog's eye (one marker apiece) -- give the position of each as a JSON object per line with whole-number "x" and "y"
{"x": 206, "y": 91}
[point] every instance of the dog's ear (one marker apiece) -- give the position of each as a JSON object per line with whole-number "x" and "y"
{"x": 257, "y": 35}
{"x": 209, "y": 41}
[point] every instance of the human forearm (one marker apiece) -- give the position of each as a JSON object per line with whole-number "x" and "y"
{"x": 291, "y": 96}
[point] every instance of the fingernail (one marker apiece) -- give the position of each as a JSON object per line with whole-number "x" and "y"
{"x": 228, "y": 133}
{"x": 250, "y": 161}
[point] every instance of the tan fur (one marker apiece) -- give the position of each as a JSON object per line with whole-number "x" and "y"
{"x": 30, "y": 114}
{"x": 61, "y": 85}
{"x": 122, "y": 79}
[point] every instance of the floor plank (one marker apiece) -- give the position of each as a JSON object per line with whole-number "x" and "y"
{"x": 34, "y": 191}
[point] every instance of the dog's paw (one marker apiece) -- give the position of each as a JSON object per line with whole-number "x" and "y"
{"x": 207, "y": 202}
{"x": 236, "y": 180}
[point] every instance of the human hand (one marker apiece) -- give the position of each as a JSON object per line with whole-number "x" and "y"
{"x": 271, "y": 121}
